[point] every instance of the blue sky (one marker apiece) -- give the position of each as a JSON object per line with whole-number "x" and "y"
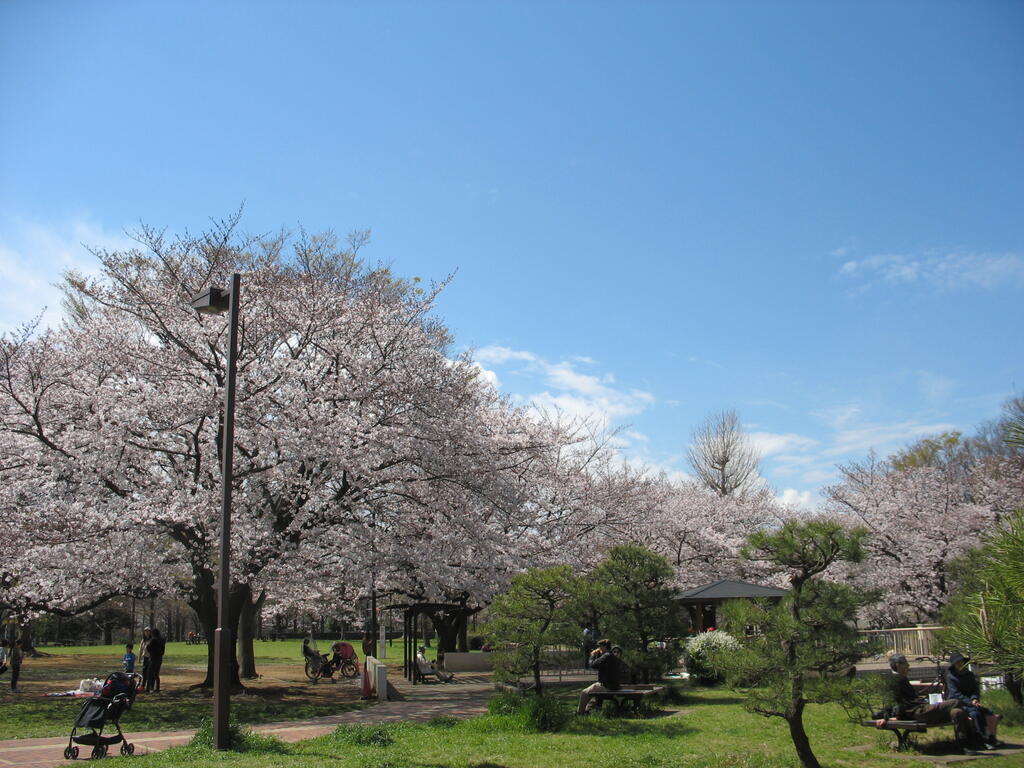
{"x": 809, "y": 212}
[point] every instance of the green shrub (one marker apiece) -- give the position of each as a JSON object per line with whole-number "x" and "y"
{"x": 443, "y": 721}
{"x": 366, "y": 735}
{"x": 506, "y": 703}
{"x": 240, "y": 738}
{"x": 699, "y": 650}
{"x": 545, "y": 714}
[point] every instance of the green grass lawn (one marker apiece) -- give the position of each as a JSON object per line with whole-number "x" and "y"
{"x": 698, "y": 727}
{"x": 282, "y": 693}
{"x": 703, "y": 728}
{"x": 266, "y": 651}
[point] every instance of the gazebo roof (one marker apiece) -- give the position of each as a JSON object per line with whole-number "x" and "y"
{"x": 728, "y": 590}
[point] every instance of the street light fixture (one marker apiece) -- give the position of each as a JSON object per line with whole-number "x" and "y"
{"x": 214, "y": 302}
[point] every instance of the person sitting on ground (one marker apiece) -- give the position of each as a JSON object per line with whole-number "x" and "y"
{"x": 610, "y": 669}
{"x": 963, "y": 687}
{"x": 908, "y": 705}
{"x": 429, "y": 668}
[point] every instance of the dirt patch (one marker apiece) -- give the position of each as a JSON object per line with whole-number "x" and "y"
{"x": 54, "y": 672}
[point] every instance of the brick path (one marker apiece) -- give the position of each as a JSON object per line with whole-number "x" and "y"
{"x": 466, "y": 697}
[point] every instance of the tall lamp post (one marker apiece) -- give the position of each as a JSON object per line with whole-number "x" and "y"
{"x": 214, "y": 302}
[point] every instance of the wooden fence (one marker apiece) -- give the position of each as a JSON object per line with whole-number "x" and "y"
{"x": 910, "y": 641}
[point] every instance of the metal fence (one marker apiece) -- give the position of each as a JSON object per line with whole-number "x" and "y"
{"x": 563, "y": 660}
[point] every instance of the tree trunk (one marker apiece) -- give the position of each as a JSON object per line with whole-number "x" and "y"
{"x": 108, "y": 633}
{"x": 246, "y": 633}
{"x": 800, "y": 740}
{"x": 1013, "y": 686}
{"x": 447, "y": 633}
{"x": 27, "y": 645}
{"x": 204, "y": 602}
{"x": 536, "y": 672}
{"x": 795, "y": 712}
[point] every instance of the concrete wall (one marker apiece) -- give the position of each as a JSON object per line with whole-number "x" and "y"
{"x": 476, "y": 661}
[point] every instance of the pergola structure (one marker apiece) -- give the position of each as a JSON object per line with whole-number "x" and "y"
{"x": 702, "y": 602}
{"x": 411, "y": 631}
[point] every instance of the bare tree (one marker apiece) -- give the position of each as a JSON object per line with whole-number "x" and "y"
{"x": 722, "y": 456}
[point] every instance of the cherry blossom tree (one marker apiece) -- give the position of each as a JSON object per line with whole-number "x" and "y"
{"x": 349, "y": 414}
{"x": 364, "y": 451}
{"x": 701, "y": 532}
{"x": 921, "y": 519}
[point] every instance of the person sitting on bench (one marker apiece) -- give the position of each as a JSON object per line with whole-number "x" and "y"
{"x": 429, "y": 668}
{"x": 908, "y": 705}
{"x": 609, "y": 673}
{"x": 963, "y": 687}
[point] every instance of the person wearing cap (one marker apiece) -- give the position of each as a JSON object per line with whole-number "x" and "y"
{"x": 963, "y": 686}
{"x": 429, "y": 668}
{"x": 609, "y": 673}
{"x": 908, "y": 705}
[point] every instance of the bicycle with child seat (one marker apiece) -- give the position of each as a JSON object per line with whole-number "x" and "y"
{"x": 939, "y": 686}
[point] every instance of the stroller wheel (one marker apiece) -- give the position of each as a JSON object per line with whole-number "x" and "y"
{"x": 127, "y": 749}
{"x": 131, "y": 747}
{"x": 74, "y": 753}
{"x": 97, "y": 752}
{"x": 67, "y": 753}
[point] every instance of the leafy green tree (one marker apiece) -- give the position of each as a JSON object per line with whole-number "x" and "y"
{"x": 532, "y": 615}
{"x": 801, "y": 650}
{"x": 987, "y": 616}
{"x": 631, "y": 590}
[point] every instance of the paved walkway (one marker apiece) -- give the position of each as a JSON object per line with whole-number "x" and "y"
{"x": 466, "y": 697}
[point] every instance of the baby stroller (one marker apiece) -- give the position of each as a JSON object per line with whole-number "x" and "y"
{"x": 107, "y": 706}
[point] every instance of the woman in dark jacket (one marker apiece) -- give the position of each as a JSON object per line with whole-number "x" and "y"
{"x": 156, "y": 658}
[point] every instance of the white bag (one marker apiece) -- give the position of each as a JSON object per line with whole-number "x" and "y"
{"x": 91, "y": 685}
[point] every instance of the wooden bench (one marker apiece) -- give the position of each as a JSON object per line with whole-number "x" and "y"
{"x": 903, "y": 728}
{"x": 638, "y": 695}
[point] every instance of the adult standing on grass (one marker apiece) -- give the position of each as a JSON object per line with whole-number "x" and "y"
{"x": 156, "y": 656}
{"x": 147, "y": 661}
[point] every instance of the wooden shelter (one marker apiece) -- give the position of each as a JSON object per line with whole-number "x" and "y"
{"x": 701, "y": 602}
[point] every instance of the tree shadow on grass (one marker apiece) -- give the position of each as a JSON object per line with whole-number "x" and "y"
{"x": 609, "y": 726}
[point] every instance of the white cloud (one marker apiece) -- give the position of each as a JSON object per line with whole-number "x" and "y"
{"x": 944, "y": 271}
{"x": 569, "y": 390}
{"x": 934, "y": 387}
{"x": 794, "y": 498}
{"x": 33, "y": 259}
{"x": 881, "y": 437}
{"x": 497, "y": 355}
{"x": 820, "y": 476}
{"x": 768, "y": 443}
{"x": 838, "y": 416}
{"x": 487, "y": 375}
